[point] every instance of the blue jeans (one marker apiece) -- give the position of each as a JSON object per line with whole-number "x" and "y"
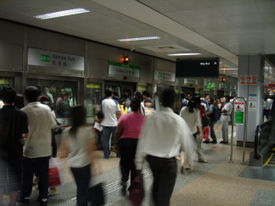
{"x": 106, "y": 133}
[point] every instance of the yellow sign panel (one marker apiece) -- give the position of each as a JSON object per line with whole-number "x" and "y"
{"x": 4, "y": 81}
{"x": 93, "y": 86}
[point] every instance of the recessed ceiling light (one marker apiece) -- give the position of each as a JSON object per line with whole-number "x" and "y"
{"x": 185, "y": 54}
{"x": 61, "y": 13}
{"x": 229, "y": 69}
{"x": 139, "y": 38}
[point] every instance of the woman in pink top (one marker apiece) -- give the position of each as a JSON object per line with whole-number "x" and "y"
{"x": 128, "y": 131}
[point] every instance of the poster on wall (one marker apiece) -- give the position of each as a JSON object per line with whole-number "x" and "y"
{"x": 252, "y": 99}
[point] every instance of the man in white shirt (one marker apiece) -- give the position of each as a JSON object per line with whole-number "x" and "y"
{"x": 111, "y": 111}
{"x": 37, "y": 149}
{"x": 163, "y": 135}
{"x": 225, "y": 118}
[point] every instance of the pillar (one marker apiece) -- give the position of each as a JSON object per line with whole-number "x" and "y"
{"x": 251, "y": 87}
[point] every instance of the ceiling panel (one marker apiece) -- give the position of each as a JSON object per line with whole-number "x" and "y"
{"x": 101, "y": 24}
{"x": 242, "y": 21}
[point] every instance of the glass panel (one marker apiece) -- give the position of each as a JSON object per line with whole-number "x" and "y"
{"x": 62, "y": 95}
{"x": 6, "y": 82}
{"x": 92, "y": 100}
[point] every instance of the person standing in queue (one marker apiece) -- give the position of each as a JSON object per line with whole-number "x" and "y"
{"x": 37, "y": 148}
{"x": 111, "y": 111}
{"x": 13, "y": 131}
{"x": 225, "y": 118}
{"x": 78, "y": 145}
{"x": 164, "y": 134}
{"x": 128, "y": 131}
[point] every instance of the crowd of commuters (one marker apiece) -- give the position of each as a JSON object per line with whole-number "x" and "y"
{"x": 130, "y": 126}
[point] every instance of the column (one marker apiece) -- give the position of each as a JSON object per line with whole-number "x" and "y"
{"x": 251, "y": 87}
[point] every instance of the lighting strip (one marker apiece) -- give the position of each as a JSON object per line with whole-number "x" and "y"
{"x": 61, "y": 13}
{"x": 139, "y": 38}
{"x": 185, "y": 54}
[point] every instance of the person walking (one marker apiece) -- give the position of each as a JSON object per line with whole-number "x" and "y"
{"x": 128, "y": 131}
{"x": 163, "y": 135}
{"x": 111, "y": 111}
{"x": 37, "y": 148}
{"x": 78, "y": 145}
{"x": 191, "y": 115}
{"x": 13, "y": 131}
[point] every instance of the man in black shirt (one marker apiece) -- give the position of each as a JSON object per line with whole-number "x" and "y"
{"x": 13, "y": 129}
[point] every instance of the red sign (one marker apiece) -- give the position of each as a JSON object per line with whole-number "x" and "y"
{"x": 248, "y": 79}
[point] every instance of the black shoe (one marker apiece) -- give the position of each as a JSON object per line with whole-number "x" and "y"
{"x": 123, "y": 189}
{"x": 24, "y": 200}
{"x": 223, "y": 142}
{"x": 43, "y": 201}
{"x": 213, "y": 142}
{"x": 206, "y": 141}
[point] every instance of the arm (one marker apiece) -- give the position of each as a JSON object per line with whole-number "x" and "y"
{"x": 63, "y": 150}
{"x": 118, "y": 131}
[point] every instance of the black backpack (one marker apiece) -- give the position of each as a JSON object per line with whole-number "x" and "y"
{"x": 216, "y": 113}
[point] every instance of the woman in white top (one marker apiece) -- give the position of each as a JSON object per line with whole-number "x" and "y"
{"x": 78, "y": 145}
{"x": 191, "y": 114}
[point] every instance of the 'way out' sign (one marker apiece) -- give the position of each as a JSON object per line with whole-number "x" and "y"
{"x": 239, "y": 112}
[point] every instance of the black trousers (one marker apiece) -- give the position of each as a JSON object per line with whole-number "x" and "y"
{"x": 212, "y": 131}
{"x": 41, "y": 167}
{"x": 164, "y": 172}
{"x": 82, "y": 177}
{"x": 127, "y": 148}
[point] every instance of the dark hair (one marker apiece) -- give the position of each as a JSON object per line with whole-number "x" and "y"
{"x": 138, "y": 95}
{"x": 192, "y": 105}
{"x": 108, "y": 92}
{"x": 32, "y": 93}
{"x": 146, "y": 93}
{"x": 135, "y": 104}
{"x": 8, "y": 95}
{"x": 19, "y": 101}
{"x": 168, "y": 97}
{"x": 211, "y": 101}
{"x": 78, "y": 118}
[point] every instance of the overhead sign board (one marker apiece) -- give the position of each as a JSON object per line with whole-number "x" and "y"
{"x": 198, "y": 68}
{"x": 123, "y": 70}
{"x": 166, "y": 76}
{"x": 50, "y": 59}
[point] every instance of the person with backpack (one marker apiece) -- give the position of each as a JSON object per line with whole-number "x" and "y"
{"x": 214, "y": 114}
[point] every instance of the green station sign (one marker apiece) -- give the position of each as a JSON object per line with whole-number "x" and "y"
{"x": 45, "y": 58}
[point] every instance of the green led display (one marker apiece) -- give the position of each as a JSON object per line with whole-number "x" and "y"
{"x": 45, "y": 58}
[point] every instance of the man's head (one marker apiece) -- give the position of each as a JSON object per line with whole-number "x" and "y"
{"x": 8, "y": 95}
{"x": 227, "y": 99}
{"x": 168, "y": 97}
{"x": 32, "y": 93}
{"x": 109, "y": 92}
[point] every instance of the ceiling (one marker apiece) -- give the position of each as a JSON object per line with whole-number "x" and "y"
{"x": 212, "y": 27}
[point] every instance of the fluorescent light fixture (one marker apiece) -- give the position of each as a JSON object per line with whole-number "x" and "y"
{"x": 229, "y": 69}
{"x": 139, "y": 38}
{"x": 184, "y": 54}
{"x": 61, "y": 13}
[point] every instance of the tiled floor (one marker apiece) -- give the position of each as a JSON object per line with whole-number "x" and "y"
{"x": 217, "y": 183}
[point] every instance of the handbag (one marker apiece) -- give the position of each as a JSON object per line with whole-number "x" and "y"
{"x": 136, "y": 190}
{"x": 97, "y": 195}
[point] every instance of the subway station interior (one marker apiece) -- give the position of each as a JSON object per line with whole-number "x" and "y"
{"x": 75, "y": 50}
